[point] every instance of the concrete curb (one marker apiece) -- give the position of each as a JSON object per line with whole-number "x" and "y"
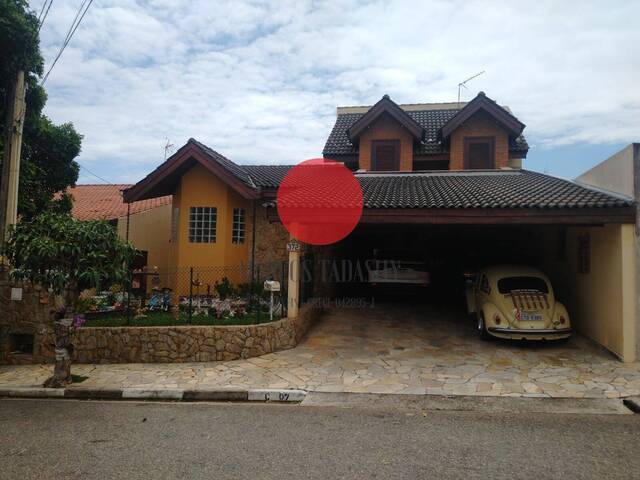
{"x": 220, "y": 395}
{"x": 470, "y": 403}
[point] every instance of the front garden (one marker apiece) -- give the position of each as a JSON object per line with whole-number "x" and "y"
{"x": 225, "y": 304}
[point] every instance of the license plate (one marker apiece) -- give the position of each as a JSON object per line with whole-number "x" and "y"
{"x": 530, "y": 317}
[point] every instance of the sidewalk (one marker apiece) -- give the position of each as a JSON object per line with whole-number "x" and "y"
{"x": 352, "y": 352}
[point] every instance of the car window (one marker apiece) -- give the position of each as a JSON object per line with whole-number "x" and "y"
{"x": 508, "y": 284}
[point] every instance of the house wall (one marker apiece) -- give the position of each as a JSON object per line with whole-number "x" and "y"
{"x": 479, "y": 125}
{"x": 616, "y": 173}
{"x": 601, "y": 303}
{"x": 198, "y": 187}
{"x": 386, "y": 128}
{"x": 621, "y": 173}
{"x": 150, "y": 231}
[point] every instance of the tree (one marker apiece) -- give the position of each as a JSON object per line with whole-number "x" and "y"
{"x": 47, "y": 164}
{"x": 67, "y": 255}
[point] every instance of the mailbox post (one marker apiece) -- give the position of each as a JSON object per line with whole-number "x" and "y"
{"x": 271, "y": 286}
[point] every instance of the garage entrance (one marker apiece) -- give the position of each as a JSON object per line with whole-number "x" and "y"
{"x": 448, "y": 254}
{"x": 588, "y": 266}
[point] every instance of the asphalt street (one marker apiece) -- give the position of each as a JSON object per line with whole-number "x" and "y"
{"x": 42, "y": 439}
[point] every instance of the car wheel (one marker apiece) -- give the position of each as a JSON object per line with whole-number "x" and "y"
{"x": 482, "y": 328}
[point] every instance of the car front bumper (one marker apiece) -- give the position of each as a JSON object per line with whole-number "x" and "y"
{"x": 531, "y": 332}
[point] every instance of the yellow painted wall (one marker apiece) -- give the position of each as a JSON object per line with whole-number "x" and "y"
{"x": 150, "y": 230}
{"x": 601, "y": 303}
{"x": 211, "y": 261}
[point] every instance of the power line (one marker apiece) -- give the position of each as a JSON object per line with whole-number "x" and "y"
{"x": 95, "y": 175}
{"x": 44, "y": 4}
{"x": 72, "y": 30}
{"x": 41, "y": 20}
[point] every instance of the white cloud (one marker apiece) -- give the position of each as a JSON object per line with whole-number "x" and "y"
{"x": 259, "y": 81}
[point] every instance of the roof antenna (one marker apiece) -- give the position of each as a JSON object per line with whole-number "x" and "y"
{"x": 462, "y": 84}
{"x": 168, "y": 146}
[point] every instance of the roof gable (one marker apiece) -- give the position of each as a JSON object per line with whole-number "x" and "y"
{"x": 163, "y": 180}
{"x": 389, "y": 107}
{"x": 482, "y": 102}
{"x": 431, "y": 117}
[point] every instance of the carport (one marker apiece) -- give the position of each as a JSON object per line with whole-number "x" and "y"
{"x": 459, "y": 221}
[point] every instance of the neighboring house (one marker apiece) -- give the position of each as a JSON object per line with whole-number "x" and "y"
{"x": 148, "y": 222}
{"x": 443, "y": 180}
{"x": 621, "y": 173}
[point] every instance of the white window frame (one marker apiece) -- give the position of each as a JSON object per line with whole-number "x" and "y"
{"x": 202, "y": 225}
{"x": 239, "y": 226}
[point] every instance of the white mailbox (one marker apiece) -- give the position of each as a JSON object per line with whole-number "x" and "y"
{"x": 271, "y": 286}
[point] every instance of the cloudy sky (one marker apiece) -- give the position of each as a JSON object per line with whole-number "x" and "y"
{"x": 259, "y": 81}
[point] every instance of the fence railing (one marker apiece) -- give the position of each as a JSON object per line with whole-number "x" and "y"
{"x": 231, "y": 294}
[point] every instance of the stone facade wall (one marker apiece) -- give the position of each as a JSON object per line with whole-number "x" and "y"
{"x": 189, "y": 343}
{"x": 33, "y": 315}
{"x": 271, "y": 239}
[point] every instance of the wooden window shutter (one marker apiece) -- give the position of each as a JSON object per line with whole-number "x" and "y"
{"x": 385, "y": 155}
{"x": 479, "y": 153}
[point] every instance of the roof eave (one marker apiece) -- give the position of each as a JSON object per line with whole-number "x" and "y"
{"x": 385, "y": 105}
{"x": 142, "y": 189}
{"x": 482, "y": 102}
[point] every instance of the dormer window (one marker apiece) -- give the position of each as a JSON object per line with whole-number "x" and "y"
{"x": 385, "y": 155}
{"x": 479, "y": 153}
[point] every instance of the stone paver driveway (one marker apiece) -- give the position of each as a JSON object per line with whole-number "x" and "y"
{"x": 387, "y": 349}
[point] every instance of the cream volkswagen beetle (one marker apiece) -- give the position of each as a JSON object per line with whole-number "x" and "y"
{"x": 516, "y": 302}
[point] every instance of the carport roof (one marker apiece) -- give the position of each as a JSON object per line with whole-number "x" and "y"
{"x": 480, "y": 189}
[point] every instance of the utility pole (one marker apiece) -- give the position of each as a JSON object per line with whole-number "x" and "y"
{"x": 11, "y": 159}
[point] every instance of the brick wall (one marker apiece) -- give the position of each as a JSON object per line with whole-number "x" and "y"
{"x": 386, "y": 128}
{"x": 479, "y": 125}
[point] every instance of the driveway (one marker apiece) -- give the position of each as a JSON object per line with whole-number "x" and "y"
{"x": 387, "y": 349}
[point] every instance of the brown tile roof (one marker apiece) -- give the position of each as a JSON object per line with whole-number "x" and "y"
{"x": 104, "y": 202}
{"x": 473, "y": 189}
{"x": 481, "y": 189}
{"x": 431, "y": 117}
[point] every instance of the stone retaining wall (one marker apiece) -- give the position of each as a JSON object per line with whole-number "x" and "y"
{"x": 32, "y": 315}
{"x": 189, "y": 343}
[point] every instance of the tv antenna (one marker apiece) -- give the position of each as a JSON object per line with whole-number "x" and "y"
{"x": 462, "y": 84}
{"x": 167, "y": 147}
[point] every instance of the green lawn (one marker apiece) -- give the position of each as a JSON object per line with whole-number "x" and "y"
{"x": 156, "y": 319}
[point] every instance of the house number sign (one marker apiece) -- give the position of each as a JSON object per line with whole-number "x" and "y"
{"x": 293, "y": 247}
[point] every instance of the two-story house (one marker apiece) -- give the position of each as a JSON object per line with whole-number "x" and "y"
{"x": 437, "y": 136}
{"x": 443, "y": 181}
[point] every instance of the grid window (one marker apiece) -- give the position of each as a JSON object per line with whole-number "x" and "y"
{"x": 238, "y": 227}
{"x": 202, "y": 224}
